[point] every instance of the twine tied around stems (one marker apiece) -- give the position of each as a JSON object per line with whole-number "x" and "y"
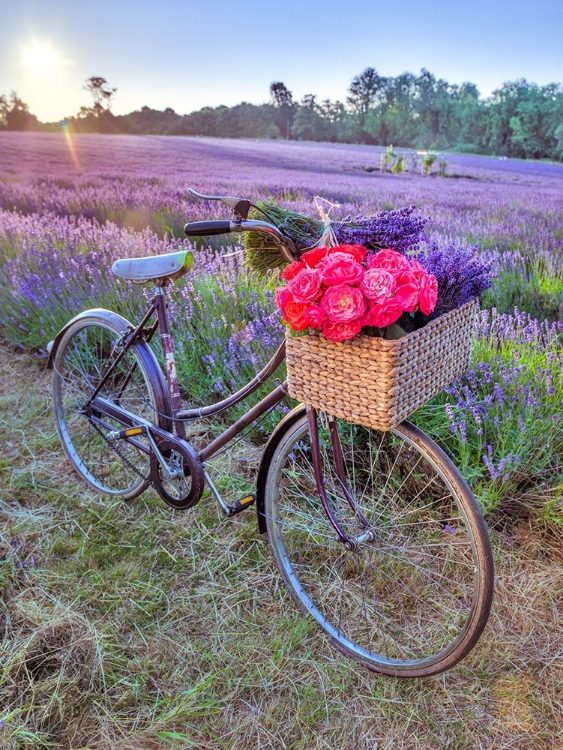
{"x": 328, "y": 237}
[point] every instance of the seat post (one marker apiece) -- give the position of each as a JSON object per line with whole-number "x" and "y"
{"x": 169, "y": 360}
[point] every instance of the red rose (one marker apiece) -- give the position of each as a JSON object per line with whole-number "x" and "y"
{"x": 291, "y": 271}
{"x": 377, "y": 284}
{"x": 428, "y": 293}
{"x": 407, "y": 290}
{"x": 390, "y": 260}
{"x": 314, "y": 316}
{"x": 341, "y": 331}
{"x": 385, "y": 314}
{"x": 282, "y": 296}
{"x": 341, "y": 268}
{"x": 417, "y": 269}
{"x": 313, "y": 257}
{"x": 358, "y": 252}
{"x": 306, "y": 285}
{"x": 343, "y": 303}
{"x": 294, "y": 315}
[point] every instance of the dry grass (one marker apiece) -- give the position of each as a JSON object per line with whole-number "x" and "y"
{"x": 129, "y": 626}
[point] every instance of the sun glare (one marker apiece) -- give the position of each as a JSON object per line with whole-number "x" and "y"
{"x": 41, "y": 57}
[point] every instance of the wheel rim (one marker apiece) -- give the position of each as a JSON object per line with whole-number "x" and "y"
{"x": 84, "y": 354}
{"x": 407, "y": 599}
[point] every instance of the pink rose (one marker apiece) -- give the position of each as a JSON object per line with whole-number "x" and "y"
{"x": 343, "y": 303}
{"x": 385, "y": 314}
{"x": 341, "y": 331}
{"x": 306, "y": 285}
{"x": 290, "y": 271}
{"x": 313, "y": 257}
{"x": 388, "y": 259}
{"x": 314, "y": 316}
{"x": 428, "y": 293}
{"x": 407, "y": 290}
{"x": 377, "y": 284}
{"x": 341, "y": 268}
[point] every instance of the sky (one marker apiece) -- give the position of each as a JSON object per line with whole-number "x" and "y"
{"x": 188, "y": 54}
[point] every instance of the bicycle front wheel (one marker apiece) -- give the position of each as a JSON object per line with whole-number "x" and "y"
{"x": 86, "y": 350}
{"x": 414, "y": 599}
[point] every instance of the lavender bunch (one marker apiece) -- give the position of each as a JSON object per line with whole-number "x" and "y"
{"x": 398, "y": 229}
{"x": 462, "y": 274}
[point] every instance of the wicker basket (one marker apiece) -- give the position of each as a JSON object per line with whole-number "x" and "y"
{"x": 377, "y": 382}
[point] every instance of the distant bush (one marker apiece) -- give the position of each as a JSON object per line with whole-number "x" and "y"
{"x": 467, "y": 148}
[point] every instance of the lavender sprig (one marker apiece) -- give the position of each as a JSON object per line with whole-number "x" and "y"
{"x": 462, "y": 274}
{"x": 399, "y": 229}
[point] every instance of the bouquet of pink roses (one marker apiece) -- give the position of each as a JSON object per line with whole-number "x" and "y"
{"x": 341, "y": 290}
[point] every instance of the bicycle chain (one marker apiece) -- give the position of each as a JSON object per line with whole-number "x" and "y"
{"x": 112, "y": 444}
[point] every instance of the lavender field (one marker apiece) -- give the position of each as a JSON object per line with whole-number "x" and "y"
{"x": 132, "y": 577}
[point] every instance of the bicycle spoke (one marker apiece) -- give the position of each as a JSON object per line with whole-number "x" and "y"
{"x": 407, "y": 594}
{"x": 79, "y": 368}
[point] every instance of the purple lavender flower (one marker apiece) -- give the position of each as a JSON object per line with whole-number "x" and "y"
{"x": 462, "y": 274}
{"x": 398, "y": 229}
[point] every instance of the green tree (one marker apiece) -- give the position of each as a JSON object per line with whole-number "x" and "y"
{"x": 147, "y": 120}
{"x": 97, "y": 118}
{"x": 15, "y": 114}
{"x": 102, "y": 94}
{"x": 285, "y": 109}
{"x": 309, "y": 123}
{"x": 523, "y": 119}
{"x": 433, "y": 104}
{"x": 365, "y": 90}
{"x": 281, "y": 95}
{"x": 558, "y": 133}
{"x": 467, "y": 124}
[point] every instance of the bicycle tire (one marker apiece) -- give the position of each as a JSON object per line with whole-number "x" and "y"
{"x": 414, "y": 601}
{"x": 83, "y": 352}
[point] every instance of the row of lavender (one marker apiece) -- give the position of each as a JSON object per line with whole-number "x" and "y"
{"x": 59, "y": 236}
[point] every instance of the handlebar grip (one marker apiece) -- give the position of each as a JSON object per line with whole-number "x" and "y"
{"x": 205, "y": 228}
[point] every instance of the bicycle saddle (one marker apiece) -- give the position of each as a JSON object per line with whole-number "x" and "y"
{"x": 154, "y": 267}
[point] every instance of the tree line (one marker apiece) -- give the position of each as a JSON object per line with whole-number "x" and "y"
{"x": 519, "y": 119}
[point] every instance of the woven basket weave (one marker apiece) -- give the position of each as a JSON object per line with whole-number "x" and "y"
{"x": 377, "y": 382}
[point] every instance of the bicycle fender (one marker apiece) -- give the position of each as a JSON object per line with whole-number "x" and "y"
{"x": 122, "y": 324}
{"x": 273, "y": 442}
{"x": 97, "y": 312}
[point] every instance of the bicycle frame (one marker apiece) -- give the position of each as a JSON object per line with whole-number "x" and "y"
{"x": 182, "y": 415}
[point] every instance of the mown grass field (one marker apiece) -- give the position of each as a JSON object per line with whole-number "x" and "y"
{"x": 127, "y": 625}
{"x": 131, "y": 626}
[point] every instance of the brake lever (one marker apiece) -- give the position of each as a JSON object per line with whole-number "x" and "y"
{"x": 239, "y": 206}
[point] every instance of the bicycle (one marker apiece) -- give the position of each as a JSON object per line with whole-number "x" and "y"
{"x": 375, "y": 534}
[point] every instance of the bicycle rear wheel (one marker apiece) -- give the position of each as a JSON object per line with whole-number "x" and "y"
{"x": 86, "y": 350}
{"x": 413, "y": 601}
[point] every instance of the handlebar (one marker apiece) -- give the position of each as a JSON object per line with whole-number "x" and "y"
{"x": 208, "y": 228}
{"x": 205, "y": 228}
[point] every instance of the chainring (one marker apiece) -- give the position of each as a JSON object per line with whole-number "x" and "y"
{"x": 185, "y": 490}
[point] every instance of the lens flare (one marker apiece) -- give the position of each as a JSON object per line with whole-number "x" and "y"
{"x": 70, "y": 143}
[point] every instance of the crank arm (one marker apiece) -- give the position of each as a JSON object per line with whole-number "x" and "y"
{"x": 153, "y": 432}
{"x": 135, "y": 443}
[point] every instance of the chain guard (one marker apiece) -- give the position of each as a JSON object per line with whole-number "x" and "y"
{"x": 190, "y": 484}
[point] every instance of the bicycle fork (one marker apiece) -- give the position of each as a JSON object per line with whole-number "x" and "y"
{"x": 351, "y": 543}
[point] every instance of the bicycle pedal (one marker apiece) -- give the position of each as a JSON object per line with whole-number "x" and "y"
{"x": 239, "y": 505}
{"x": 129, "y": 432}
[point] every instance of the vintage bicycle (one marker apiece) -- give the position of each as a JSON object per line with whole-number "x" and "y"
{"x": 376, "y": 534}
